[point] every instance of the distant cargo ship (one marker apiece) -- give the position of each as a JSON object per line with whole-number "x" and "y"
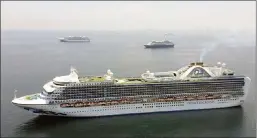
{"x": 157, "y": 44}
{"x": 75, "y": 39}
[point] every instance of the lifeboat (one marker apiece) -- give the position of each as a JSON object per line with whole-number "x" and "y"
{"x": 79, "y": 104}
{"x": 167, "y": 99}
{"x": 179, "y": 99}
{"x": 96, "y": 103}
{"x": 162, "y": 100}
{"x": 91, "y": 104}
{"x": 120, "y": 100}
{"x": 190, "y": 98}
{"x": 102, "y": 103}
{"x": 132, "y": 102}
{"x": 201, "y": 98}
{"x": 68, "y": 105}
{"x": 125, "y": 101}
{"x": 156, "y": 100}
{"x": 86, "y": 104}
{"x": 108, "y": 103}
{"x": 209, "y": 97}
{"x": 71, "y": 104}
{"x": 114, "y": 102}
{"x": 64, "y": 105}
{"x": 217, "y": 96}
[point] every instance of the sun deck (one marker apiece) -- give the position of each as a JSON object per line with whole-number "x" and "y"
{"x": 125, "y": 80}
{"x": 91, "y": 79}
{"x": 193, "y": 72}
{"x": 130, "y": 80}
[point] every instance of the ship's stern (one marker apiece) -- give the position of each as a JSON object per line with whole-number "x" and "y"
{"x": 246, "y": 87}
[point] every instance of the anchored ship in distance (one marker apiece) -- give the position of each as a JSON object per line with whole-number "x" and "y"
{"x": 192, "y": 87}
{"x": 75, "y": 39}
{"x": 160, "y": 44}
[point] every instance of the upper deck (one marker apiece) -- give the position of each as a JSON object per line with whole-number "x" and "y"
{"x": 193, "y": 72}
{"x": 138, "y": 80}
{"x": 123, "y": 80}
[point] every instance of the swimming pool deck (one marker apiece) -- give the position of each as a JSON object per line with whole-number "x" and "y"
{"x": 117, "y": 80}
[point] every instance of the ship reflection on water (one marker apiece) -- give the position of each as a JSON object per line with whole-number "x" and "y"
{"x": 185, "y": 123}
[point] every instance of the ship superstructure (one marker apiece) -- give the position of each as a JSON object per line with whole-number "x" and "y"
{"x": 195, "y": 86}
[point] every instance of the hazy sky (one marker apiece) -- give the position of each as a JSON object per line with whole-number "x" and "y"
{"x": 128, "y": 15}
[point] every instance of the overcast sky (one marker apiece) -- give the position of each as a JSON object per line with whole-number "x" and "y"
{"x": 128, "y": 15}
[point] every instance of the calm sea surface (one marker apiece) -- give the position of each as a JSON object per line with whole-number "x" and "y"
{"x": 31, "y": 58}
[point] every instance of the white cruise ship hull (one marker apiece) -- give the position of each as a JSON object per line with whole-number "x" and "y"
{"x": 75, "y": 40}
{"x": 69, "y": 40}
{"x": 134, "y": 108}
{"x": 158, "y": 46}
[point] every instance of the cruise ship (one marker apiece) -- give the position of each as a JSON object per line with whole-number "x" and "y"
{"x": 193, "y": 87}
{"x": 75, "y": 39}
{"x": 159, "y": 44}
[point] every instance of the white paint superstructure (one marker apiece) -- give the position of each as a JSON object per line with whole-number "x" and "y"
{"x": 193, "y": 87}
